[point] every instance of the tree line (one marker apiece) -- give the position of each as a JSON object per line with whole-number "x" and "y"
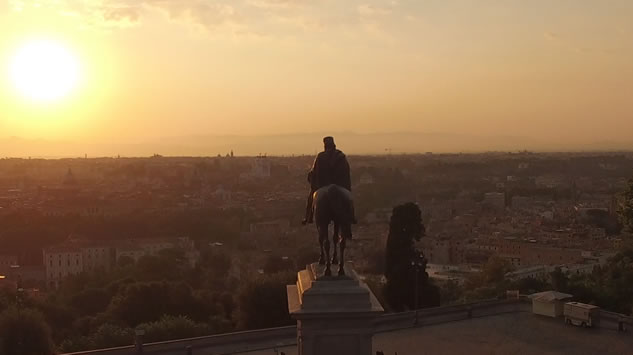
{"x": 162, "y": 295}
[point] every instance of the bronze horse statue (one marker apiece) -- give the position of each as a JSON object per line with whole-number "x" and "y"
{"x": 333, "y": 204}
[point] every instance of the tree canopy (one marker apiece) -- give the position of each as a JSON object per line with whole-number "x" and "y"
{"x": 23, "y": 331}
{"x": 405, "y": 266}
{"x": 262, "y": 302}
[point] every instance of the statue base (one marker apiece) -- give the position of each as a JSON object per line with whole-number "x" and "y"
{"x": 334, "y": 313}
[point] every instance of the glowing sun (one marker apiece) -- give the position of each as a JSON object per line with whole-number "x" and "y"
{"x": 44, "y": 70}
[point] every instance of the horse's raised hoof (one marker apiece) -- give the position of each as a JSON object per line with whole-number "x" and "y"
{"x": 341, "y": 271}
{"x": 335, "y": 260}
{"x": 321, "y": 260}
{"x": 328, "y": 272}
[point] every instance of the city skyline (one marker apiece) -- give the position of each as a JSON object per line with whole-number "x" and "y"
{"x": 301, "y": 144}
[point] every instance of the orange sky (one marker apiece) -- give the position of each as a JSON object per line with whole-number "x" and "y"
{"x": 554, "y": 70}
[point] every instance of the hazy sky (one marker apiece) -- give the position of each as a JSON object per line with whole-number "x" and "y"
{"x": 548, "y": 69}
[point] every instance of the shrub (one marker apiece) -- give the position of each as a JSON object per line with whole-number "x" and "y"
{"x": 24, "y": 332}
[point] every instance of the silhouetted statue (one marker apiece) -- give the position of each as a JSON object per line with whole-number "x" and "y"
{"x": 330, "y": 167}
{"x": 330, "y": 200}
{"x": 333, "y": 203}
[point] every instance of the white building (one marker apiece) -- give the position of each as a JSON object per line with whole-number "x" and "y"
{"x": 549, "y": 303}
{"x": 77, "y": 257}
{"x": 60, "y": 262}
{"x": 96, "y": 257}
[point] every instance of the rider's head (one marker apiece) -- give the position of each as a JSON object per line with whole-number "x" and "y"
{"x": 328, "y": 143}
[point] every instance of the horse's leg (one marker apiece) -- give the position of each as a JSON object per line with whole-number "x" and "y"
{"x": 346, "y": 233}
{"x": 321, "y": 256}
{"x": 341, "y": 265}
{"x": 335, "y": 240}
{"x": 322, "y": 241}
{"x": 328, "y": 263}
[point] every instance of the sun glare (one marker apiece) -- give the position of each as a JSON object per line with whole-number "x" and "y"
{"x": 44, "y": 71}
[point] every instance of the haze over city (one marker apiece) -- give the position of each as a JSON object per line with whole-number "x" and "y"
{"x": 465, "y": 75}
{"x": 312, "y": 177}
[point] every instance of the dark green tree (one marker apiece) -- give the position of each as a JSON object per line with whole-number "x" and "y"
{"x": 491, "y": 282}
{"x": 560, "y": 280}
{"x": 173, "y": 327}
{"x": 494, "y": 270}
{"x": 613, "y": 283}
{"x": 57, "y": 315}
{"x": 91, "y": 301}
{"x": 146, "y": 302}
{"x": 24, "y": 331}
{"x": 625, "y": 209}
{"x": 262, "y": 301}
{"x": 404, "y": 265}
{"x": 450, "y": 292}
{"x": 530, "y": 285}
{"x": 106, "y": 336}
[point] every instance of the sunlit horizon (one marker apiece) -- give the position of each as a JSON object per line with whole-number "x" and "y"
{"x": 559, "y": 73}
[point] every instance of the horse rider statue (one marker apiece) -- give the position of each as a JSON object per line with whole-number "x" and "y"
{"x": 330, "y": 167}
{"x": 330, "y": 200}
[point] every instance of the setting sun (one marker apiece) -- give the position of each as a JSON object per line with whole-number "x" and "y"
{"x": 44, "y": 71}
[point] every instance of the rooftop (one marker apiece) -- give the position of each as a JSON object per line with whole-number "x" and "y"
{"x": 496, "y": 327}
{"x": 550, "y": 296}
{"x": 511, "y": 333}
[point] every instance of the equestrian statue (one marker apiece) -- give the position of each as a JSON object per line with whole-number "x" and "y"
{"x": 330, "y": 201}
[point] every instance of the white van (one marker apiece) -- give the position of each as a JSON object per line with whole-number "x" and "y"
{"x": 581, "y": 314}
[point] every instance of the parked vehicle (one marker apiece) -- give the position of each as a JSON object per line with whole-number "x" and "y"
{"x": 581, "y": 314}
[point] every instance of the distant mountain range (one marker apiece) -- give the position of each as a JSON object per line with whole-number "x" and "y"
{"x": 295, "y": 144}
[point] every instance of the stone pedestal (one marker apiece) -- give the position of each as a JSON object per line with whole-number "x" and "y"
{"x": 334, "y": 314}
